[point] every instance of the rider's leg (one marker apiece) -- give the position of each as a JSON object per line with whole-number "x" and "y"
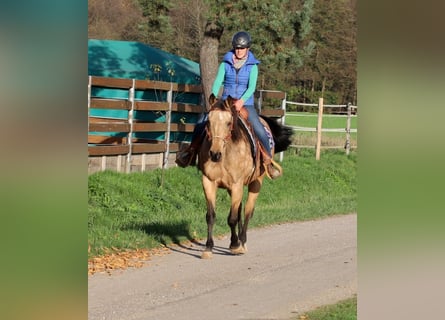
{"x": 253, "y": 118}
{"x": 187, "y": 157}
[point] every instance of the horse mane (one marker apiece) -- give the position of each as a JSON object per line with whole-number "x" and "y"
{"x": 227, "y": 105}
{"x": 237, "y": 127}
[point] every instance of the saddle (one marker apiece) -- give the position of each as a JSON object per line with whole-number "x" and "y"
{"x": 255, "y": 145}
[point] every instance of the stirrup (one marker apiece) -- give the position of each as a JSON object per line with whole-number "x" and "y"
{"x": 276, "y": 166}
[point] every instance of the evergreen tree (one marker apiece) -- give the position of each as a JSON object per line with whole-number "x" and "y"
{"x": 332, "y": 66}
{"x": 306, "y": 47}
{"x": 158, "y": 31}
{"x": 277, "y": 28}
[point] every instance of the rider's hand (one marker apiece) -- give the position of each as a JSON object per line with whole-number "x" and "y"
{"x": 238, "y": 104}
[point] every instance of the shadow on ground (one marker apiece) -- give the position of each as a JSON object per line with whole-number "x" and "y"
{"x": 177, "y": 237}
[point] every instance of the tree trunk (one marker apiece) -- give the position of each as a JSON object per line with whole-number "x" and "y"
{"x": 323, "y": 86}
{"x": 208, "y": 57}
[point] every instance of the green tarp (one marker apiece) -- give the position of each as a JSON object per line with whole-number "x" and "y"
{"x": 135, "y": 60}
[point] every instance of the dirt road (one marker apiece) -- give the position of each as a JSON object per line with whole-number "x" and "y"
{"x": 289, "y": 269}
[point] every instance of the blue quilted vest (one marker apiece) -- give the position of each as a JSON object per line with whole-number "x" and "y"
{"x": 236, "y": 81}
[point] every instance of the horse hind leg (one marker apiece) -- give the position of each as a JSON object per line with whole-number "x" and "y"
{"x": 249, "y": 209}
{"x": 237, "y": 246}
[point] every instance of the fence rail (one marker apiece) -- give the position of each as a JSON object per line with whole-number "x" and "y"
{"x": 350, "y": 112}
{"x": 118, "y": 143}
{"x": 325, "y": 106}
{"x": 314, "y": 129}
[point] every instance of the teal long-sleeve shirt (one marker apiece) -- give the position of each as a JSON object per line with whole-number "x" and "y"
{"x": 220, "y": 78}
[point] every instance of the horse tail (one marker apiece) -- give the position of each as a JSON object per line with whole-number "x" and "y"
{"x": 281, "y": 134}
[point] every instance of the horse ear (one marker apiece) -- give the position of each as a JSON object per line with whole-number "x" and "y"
{"x": 212, "y": 99}
{"x": 229, "y": 102}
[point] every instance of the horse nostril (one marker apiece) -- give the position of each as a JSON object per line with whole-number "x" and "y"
{"x": 215, "y": 156}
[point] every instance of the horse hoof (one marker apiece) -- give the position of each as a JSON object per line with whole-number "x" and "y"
{"x": 207, "y": 255}
{"x": 240, "y": 250}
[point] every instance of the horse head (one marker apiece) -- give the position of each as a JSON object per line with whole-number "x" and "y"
{"x": 219, "y": 126}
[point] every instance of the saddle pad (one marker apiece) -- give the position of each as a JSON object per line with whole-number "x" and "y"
{"x": 252, "y": 137}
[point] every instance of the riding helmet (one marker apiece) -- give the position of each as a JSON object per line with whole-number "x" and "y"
{"x": 241, "y": 40}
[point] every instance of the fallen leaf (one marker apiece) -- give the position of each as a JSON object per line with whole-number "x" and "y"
{"x": 115, "y": 259}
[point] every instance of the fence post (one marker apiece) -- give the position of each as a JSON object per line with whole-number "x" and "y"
{"x": 283, "y": 120}
{"x": 260, "y": 102}
{"x": 89, "y": 101}
{"x": 348, "y": 130}
{"x": 168, "y": 119}
{"x": 130, "y": 121}
{"x": 319, "y": 128}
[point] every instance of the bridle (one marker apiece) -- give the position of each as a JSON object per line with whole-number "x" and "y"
{"x": 228, "y": 136}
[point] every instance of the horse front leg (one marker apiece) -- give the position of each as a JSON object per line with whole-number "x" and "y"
{"x": 210, "y": 189}
{"x": 234, "y": 218}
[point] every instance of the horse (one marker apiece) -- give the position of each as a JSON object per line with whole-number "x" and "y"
{"x": 226, "y": 161}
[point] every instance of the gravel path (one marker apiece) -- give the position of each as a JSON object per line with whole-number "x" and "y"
{"x": 289, "y": 269}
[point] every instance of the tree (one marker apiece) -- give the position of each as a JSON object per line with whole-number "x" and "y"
{"x": 116, "y": 20}
{"x": 332, "y": 66}
{"x": 188, "y": 19}
{"x": 209, "y": 56}
{"x": 306, "y": 47}
{"x": 158, "y": 31}
{"x": 276, "y": 27}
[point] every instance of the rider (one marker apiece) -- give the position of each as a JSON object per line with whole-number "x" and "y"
{"x": 238, "y": 73}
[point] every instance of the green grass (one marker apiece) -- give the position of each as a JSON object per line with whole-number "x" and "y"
{"x": 333, "y": 139}
{"x": 304, "y": 119}
{"x": 344, "y": 310}
{"x": 138, "y": 211}
{"x": 309, "y": 120}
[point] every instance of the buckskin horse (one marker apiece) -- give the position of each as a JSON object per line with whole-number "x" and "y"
{"x": 228, "y": 159}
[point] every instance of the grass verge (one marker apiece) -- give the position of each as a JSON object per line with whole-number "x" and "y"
{"x": 343, "y": 310}
{"x": 138, "y": 210}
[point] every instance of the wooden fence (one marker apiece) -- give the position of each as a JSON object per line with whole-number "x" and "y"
{"x": 350, "y": 111}
{"x": 126, "y": 152}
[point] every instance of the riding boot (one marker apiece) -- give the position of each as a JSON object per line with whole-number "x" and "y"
{"x": 273, "y": 169}
{"x": 187, "y": 157}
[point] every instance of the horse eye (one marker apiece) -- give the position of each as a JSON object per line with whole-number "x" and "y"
{"x": 229, "y": 124}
